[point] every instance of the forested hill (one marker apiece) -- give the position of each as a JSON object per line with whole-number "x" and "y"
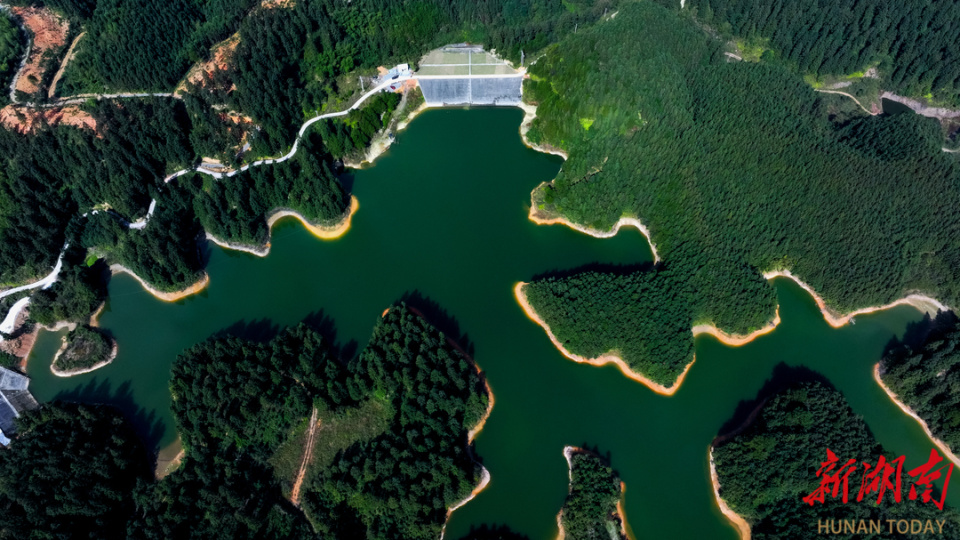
{"x": 399, "y": 483}
{"x": 295, "y": 50}
{"x": 111, "y": 172}
{"x": 926, "y": 377}
{"x": 912, "y": 43}
{"x": 394, "y": 453}
{"x": 736, "y": 169}
{"x": 52, "y": 176}
{"x": 11, "y": 49}
{"x": 69, "y": 474}
{"x": 590, "y": 511}
{"x": 238, "y": 404}
{"x": 767, "y": 469}
{"x": 293, "y": 60}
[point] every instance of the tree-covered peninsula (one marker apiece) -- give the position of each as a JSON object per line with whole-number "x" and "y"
{"x": 238, "y": 403}
{"x": 82, "y": 188}
{"x": 591, "y": 510}
{"x": 769, "y": 466}
{"x": 391, "y": 455}
{"x": 736, "y": 169}
{"x": 926, "y": 378}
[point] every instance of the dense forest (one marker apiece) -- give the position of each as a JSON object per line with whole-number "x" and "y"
{"x": 146, "y": 47}
{"x": 78, "y": 291}
{"x": 926, "y": 377}
{"x": 399, "y": 483}
{"x": 234, "y": 400}
{"x": 235, "y": 208}
{"x": 69, "y": 474}
{"x": 913, "y": 43}
{"x": 111, "y": 174}
{"x": 51, "y": 177}
{"x": 150, "y": 47}
{"x": 237, "y": 402}
{"x": 736, "y": 169}
{"x": 11, "y": 49}
{"x": 768, "y": 468}
{"x": 632, "y": 314}
{"x": 590, "y": 511}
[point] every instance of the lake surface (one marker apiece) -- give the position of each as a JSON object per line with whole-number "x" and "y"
{"x": 443, "y": 217}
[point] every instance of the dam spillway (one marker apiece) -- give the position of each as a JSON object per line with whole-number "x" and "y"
{"x": 468, "y": 75}
{"x": 475, "y": 91}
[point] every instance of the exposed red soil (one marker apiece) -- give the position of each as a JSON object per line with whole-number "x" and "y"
{"x": 205, "y": 74}
{"x": 271, "y": 4}
{"x": 23, "y": 344}
{"x": 29, "y": 119}
{"x": 49, "y": 32}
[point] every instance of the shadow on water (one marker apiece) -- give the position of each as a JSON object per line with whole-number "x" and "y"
{"x": 493, "y": 532}
{"x": 346, "y": 177}
{"x": 148, "y": 426}
{"x": 205, "y": 250}
{"x": 257, "y": 330}
{"x": 783, "y": 377}
{"x": 920, "y": 332}
{"x": 603, "y": 268}
{"x": 324, "y": 325}
{"x": 440, "y": 318}
{"x": 264, "y": 330}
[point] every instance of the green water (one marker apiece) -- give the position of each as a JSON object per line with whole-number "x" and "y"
{"x": 444, "y": 215}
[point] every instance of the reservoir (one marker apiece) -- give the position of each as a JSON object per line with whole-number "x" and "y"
{"x": 443, "y": 222}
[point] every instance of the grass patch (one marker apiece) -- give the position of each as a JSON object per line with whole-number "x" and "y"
{"x": 286, "y": 460}
{"x": 338, "y": 430}
{"x": 752, "y": 49}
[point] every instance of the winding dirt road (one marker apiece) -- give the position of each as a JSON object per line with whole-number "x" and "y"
{"x": 307, "y": 455}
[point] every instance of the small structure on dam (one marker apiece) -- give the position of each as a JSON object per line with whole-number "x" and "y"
{"x": 468, "y": 75}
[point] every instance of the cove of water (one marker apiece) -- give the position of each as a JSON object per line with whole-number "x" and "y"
{"x": 443, "y": 217}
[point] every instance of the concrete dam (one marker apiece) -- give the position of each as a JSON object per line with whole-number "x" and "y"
{"x": 466, "y": 75}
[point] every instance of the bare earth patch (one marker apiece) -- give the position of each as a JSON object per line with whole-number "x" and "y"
{"x": 271, "y": 4}
{"x": 21, "y": 345}
{"x": 28, "y": 119}
{"x": 49, "y": 33}
{"x": 71, "y": 52}
{"x": 203, "y": 74}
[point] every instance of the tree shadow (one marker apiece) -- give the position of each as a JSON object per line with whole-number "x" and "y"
{"x": 440, "y": 318}
{"x": 324, "y": 325}
{"x": 346, "y": 177}
{"x": 205, "y": 250}
{"x": 783, "y": 377}
{"x": 256, "y": 330}
{"x": 602, "y": 268}
{"x": 918, "y": 333}
{"x": 148, "y": 425}
{"x": 605, "y": 457}
{"x": 493, "y": 532}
